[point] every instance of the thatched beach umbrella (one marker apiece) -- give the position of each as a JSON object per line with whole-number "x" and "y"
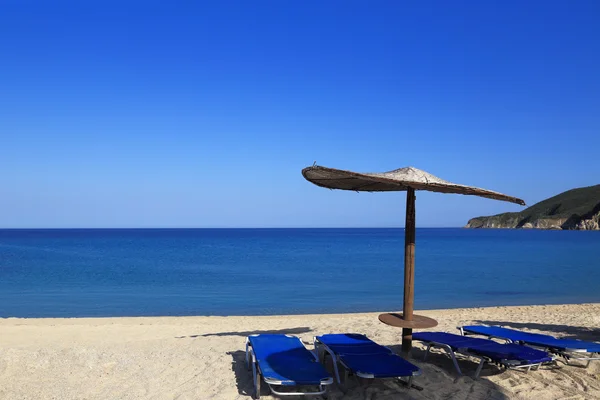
{"x": 406, "y": 179}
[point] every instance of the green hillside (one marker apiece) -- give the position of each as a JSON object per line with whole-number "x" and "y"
{"x": 563, "y": 211}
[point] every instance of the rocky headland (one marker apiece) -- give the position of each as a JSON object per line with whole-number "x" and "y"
{"x": 576, "y": 209}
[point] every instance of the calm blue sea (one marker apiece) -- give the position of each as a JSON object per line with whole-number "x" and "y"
{"x": 131, "y": 272}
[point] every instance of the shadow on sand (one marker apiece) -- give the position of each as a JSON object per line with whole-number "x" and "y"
{"x": 243, "y": 377}
{"x": 287, "y": 331}
{"x": 564, "y": 331}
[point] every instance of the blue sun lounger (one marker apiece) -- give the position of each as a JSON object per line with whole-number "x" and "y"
{"x": 569, "y": 349}
{"x": 282, "y": 360}
{"x": 364, "y": 358}
{"x": 509, "y": 355}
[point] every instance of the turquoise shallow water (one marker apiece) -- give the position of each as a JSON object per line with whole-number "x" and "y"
{"x": 104, "y": 272}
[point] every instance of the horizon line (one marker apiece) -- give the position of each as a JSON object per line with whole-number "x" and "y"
{"x": 216, "y": 227}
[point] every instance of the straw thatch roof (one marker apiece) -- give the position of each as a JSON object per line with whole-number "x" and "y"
{"x": 397, "y": 180}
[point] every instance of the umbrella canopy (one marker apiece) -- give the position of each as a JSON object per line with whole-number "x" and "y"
{"x": 407, "y": 179}
{"x": 398, "y": 180}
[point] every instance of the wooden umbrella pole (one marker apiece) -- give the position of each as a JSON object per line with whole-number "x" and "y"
{"x": 409, "y": 269}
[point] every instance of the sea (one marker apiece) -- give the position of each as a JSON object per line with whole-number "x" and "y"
{"x": 175, "y": 272}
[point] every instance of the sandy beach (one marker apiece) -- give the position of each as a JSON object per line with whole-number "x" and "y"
{"x": 202, "y": 357}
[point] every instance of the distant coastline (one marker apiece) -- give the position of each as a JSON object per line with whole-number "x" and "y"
{"x": 576, "y": 209}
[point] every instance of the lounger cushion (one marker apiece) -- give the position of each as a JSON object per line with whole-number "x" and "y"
{"x": 352, "y": 343}
{"x": 535, "y": 339}
{"x": 454, "y": 341}
{"x": 511, "y": 352}
{"x": 488, "y": 348}
{"x": 379, "y": 365}
{"x": 363, "y": 356}
{"x": 285, "y": 359}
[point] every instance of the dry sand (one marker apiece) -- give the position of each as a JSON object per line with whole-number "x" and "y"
{"x": 202, "y": 357}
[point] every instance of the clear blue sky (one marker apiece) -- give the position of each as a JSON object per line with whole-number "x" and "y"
{"x": 202, "y": 114}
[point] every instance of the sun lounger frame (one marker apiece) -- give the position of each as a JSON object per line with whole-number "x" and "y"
{"x": 336, "y": 360}
{"x": 509, "y": 364}
{"x": 566, "y": 353}
{"x": 252, "y": 363}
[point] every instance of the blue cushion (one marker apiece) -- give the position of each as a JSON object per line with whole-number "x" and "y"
{"x": 284, "y": 358}
{"x": 352, "y": 343}
{"x": 362, "y": 355}
{"x": 488, "y": 348}
{"x": 511, "y": 352}
{"x": 379, "y": 365}
{"x": 454, "y": 341}
{"x": 535, "y": 339}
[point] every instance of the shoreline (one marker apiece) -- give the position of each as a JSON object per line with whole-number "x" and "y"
{"x": 349, "y": 314}
{"x": 202, "y": 357}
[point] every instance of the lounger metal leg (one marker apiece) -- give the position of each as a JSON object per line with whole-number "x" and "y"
{"x": 247, "y": 357}
{"x": 409, "y": 383}
{"x": 256, "y": 379}
{"x": 322, "y": 389}
{"x": 257, "y": 393}
{"x": 335, "y": 368}
{"x": 454, "y": 360}
{"x": 333, "y": 359}
{"x": 479, "y": 367}
{"x": 427, "y": 352}
{"x": 569, "y": 357}
{"x": 448, "y": 350}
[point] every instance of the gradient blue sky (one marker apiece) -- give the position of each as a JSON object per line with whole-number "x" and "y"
{"x": 202, "y": 114}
